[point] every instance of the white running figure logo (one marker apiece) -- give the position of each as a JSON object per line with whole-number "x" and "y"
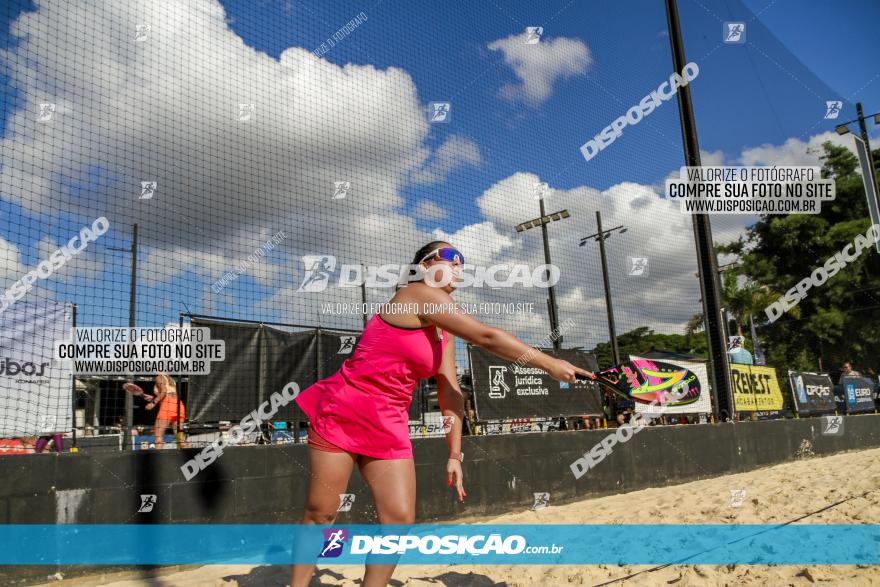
{"x": 334, "y": 542}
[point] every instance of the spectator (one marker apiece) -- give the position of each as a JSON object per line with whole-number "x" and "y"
{"x": 43, "y": 441}
{"x": 848, "y": 371}
{"x": 737, "y": 354}
{"x": 470, "y": 417}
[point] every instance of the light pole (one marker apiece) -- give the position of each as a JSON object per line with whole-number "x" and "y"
{"x": 600, "y": 238}
{"x": 843, "y": 129}
{"x": 132, "y": 303}
{"x": 543, "y": 221}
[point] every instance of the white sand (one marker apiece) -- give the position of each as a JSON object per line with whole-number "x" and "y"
{"x": 773, "y": 495}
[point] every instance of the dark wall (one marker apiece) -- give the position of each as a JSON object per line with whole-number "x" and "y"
{"x": 267, "y": 484}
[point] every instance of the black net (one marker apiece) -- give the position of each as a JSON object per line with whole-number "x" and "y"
{"x": 245, "y": 161}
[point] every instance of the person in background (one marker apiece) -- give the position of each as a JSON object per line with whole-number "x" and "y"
{"x": 470, "y": 417}
{"x": 848, "y": 371}
{"x": 737, "y": 354}
{"x": 57, "y": 442}
{"x": 166, "y": 398}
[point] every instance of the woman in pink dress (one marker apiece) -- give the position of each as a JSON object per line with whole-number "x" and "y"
{"x": 359, "y": 415}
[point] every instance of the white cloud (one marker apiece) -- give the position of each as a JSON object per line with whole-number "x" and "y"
{"x": 454, "y": 153}
{"x": 794, "y": 151}
{"x": 11, "y": 267}
{"x": 428, "y": 210}
{"x": 539, "y": 66}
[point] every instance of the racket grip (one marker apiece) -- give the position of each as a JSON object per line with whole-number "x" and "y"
{"x": 580, "y": 377}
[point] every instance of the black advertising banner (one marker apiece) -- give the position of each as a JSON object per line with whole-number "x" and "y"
{"x": 259, "y": 361}
{"x": 854, "y": 395}
{"x": 335, "y": 347}
{"x": 504, "y": 389}
{"x": 231, "y": 389}
{"x": 287, "y": 357}
{"x": 813, "y": 392}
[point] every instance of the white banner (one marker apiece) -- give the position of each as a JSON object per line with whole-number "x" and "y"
{"x": 703, "y": 405}
{"x": 35, "y": 390}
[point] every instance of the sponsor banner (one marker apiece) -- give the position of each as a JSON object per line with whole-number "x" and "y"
{"x": 755, "y": 388}
{"x": 854, "y": 395}
{"x": 440, "y": 544}
{"x": 14, "y": 446}
{"x": 505, "y": 389}
{"x": 259, "y": 361}
{"x": 432, "y": 427}
{"x": 336, "y": 347}
{"x": 35, "y": 389}
{"x": 813, "y": 392}
{"x": 703, "y": 405}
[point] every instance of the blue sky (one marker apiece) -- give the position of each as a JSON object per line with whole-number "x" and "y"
{"x": 763, "y": 93}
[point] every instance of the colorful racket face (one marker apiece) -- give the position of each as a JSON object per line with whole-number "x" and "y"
{"x": 648, "y": 381}
{"x": 132, "y": 388}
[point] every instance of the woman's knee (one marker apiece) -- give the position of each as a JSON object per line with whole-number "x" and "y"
{"x": 316, "y": 514}
{"x": 397, "y": 516}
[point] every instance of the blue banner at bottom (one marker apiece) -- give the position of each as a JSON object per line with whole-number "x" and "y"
{"x": 530, "y": 544}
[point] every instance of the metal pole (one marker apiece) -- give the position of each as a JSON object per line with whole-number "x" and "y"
{"x": 864, "y": 129}
{"x": 132, "y": 304}
{"x": 178, "y": 434}
{"x": 615, "y": 353}
{"x": 554, "y": 321}
{"x": 364, "y": 294}
{"x": 73, "y": 390}
{"x": 710, "y": 285}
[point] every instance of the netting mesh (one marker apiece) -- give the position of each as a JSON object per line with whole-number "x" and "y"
{"x": 248, "y": 139}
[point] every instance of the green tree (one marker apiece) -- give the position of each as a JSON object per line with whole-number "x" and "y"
{"x": 835, "y": 322}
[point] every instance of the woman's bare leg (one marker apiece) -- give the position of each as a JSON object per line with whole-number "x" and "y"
{"x": 159, "y": 433}
{"x": 393, "y": 485}
{"x": 329, "y": 473}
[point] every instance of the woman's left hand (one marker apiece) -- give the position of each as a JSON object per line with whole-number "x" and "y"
{"x": 454, "y": 477}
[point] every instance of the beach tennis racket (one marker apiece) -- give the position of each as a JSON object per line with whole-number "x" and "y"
{"x": 136, "y": 390}
{"x": 648, "y": 381}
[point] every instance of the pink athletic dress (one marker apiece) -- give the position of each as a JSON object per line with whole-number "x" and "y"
{"x": 363, "y": 407}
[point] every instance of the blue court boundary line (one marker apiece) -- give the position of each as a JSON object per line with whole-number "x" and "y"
{"x": 569, "y": 544}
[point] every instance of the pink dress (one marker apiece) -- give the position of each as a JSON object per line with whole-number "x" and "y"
{"x": 363, "y": 407}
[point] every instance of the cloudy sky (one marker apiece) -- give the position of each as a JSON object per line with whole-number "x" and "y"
{"x": 163, "y": 105}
